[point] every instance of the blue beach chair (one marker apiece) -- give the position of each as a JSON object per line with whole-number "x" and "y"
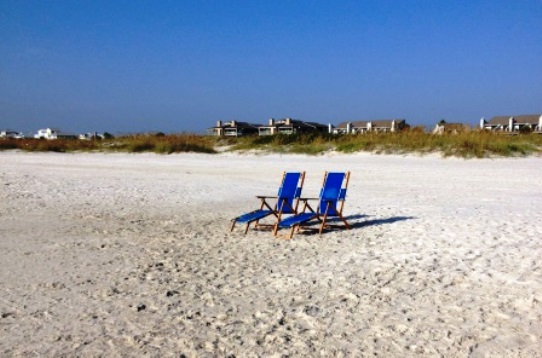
{"x": 330, "y": 205}
{"x": 285, "y": 202}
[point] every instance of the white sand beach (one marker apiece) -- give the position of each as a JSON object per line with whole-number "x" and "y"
{"x": 121, "y": 255}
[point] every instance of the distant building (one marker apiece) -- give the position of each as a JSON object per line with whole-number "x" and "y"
{"x": 52, "y": 133}
{"x": 91, "y": 136}
{"x": 450, "y": 128}
{"x": 11, "y": 134}
{"x": 291, "y": 126}
{"x": 381, "y": 125}
{"x": 530, "y": 122}
{"x": 49, "y": 133}
{"x": 232, "y": 129}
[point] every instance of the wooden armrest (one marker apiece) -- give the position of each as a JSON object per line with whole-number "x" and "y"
{"x": 266, "y": 197}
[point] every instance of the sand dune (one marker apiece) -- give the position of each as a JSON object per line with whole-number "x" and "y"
{"x": 131, "y": 255}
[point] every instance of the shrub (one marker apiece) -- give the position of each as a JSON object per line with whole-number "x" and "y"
{"x": 165, "y": 144}
{"x": 474, "y": 144}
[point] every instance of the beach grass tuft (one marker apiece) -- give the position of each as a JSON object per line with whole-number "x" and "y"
{"x": 164, "y": 144}
{"x": 471, "y": 144}
{"x": 43, "y": 145}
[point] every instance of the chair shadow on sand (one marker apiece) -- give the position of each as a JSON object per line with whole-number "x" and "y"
{"x": 375, "y": 222}
{"x": 357, "y": 221}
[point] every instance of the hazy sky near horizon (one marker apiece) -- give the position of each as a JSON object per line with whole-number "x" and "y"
{"x": 173, "y": 66}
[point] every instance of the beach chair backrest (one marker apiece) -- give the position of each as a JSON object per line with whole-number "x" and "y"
{"x": 289, "y": 192}
{"x": 332, "y": 192}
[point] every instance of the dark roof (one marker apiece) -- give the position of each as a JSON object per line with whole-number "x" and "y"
{"x": 523, "y": 119}
{"x": 295, "y": 123}
{"x": 386, "y": 122}
{"x": 9, "y": 131}
{"x": 528, "y": 118}
{"x": 452, "y": 126}
{"x": 314, "y": 125}
{"x": 360, "y": 123}
{"x": 237, "y": 125}
{"x": 343, "y": 125}
{"x": 499, "y": 120}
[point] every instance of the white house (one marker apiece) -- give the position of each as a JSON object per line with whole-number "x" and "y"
{"x": 11, "y": 134}
{"x": 530, "y": 122}
{"x": 291, "y": 126}
{"x": 232, "y": 129}
{"x": 384, "y": 125}
{"x": 49, "y": 133}
{"x": 90, "y": 136}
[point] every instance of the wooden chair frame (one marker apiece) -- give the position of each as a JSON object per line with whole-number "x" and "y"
{"x": 308, "y": 213}
{"x": 278, "y": 209}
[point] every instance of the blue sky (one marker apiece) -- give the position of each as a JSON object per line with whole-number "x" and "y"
{"x": 179, "y": 66}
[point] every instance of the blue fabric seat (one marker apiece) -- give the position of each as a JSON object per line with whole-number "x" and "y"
{"x": 254, "y": 215}
{"x": 285, "y": 202}
{"x": 330, "y": 205}
{"x": 295, "y": 220}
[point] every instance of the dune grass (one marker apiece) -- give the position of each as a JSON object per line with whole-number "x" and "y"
{"x": 310, "y": 143}
{"x": 43, "y": 145}
{"x": 163, "y": 144}
{"x": 473, "y": 144}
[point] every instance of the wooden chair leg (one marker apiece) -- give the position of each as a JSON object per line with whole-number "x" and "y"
{"x": 292, "y": 231}
{"x": 246, "y": 228}
{"x": 324, "y": 219}
{"x": 348, "y": 227}
{"x": 322, "y": 226}
{"x": 233, "y": 222}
